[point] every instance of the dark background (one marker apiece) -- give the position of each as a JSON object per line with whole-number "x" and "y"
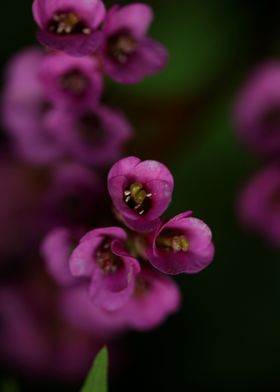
{"x": 226, "y": 336}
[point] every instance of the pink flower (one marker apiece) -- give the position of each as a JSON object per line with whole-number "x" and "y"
{"x": 94, "y": 136}
{"x": 56, "y": 250}
{"x": 25, "y": 107}
{"x": 128, "y": 54}
{"x": 71, "y": 197}
{"x": 101, "y": 258}
{"x": 257, "y": 111}
{"x": 259, "y": 203}
{"x": 69, "y": 25}
{"x": 78, "y": 309}
{"x": 141, "y": 191}
{"x": 155, "y": 298}
{"x": 29, "y": 341}
{"x": 73, "y": 81}
{"x": 181, "y": 245}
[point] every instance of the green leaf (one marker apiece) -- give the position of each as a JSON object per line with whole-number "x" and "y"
{"x": 9, "y": 386}
{"x": 96, "y": 380}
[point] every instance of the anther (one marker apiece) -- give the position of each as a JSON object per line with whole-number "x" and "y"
{"x": 86, "y": 31}
{"x": 136, "y": 198}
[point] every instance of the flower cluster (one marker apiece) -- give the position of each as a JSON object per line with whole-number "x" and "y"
{"x": 52, "y": 99}
{"x": 121, "y": 269}
{"x": 257, "y": 119}
{"x": 104, "y": 273}
{"x": 117, "y": 39}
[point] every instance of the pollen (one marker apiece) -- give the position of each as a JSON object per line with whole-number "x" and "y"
{"x": 180, "y": 243}
{"x": 121, "y": 46}
{"x": 67, "y": 23}
{"x": 169, "y": 241}
{"x": 136, "y": 197}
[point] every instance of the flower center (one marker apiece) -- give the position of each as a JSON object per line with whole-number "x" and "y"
{"x": 106, "y": 260}
{"x": 137, "y": 198}
{"x": 121, "y": 46}
{"x": 74, "y": 82}
{"x": 66, "y": 23}
{"x": 170, "y": 241}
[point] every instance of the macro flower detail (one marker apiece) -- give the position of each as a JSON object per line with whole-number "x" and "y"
{"x": 72, "y": 81}
{"x": 102, "y": 258}
{"x": 128, "y": 54}
{"x": 141, "y": 191}
{"x": 69, "y": 25}
{"x": 181, "y": 245}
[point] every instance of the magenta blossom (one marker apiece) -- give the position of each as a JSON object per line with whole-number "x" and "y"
{"x": 29, "y": 341}
{"x": 72, "y": 196}
{"x": 257, "y": 112}
{"x": 181, "y": 245}
{"x": 128, "y": 54}
{"x": 155, "y": 298}
{"x": 141, "y": 191}
{"x": 25, "y": 107}
{"x": 70, "y": 80}
{"x": 56, "y": 250}
{"x": 69, "y": 25}
{"x": 101, "y": 257}
{"x": 259, "y": 203}
{"x": 78, "y": 309}
{"x": 93, "y": 136}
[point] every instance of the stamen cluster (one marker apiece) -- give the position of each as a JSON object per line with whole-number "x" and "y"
{"x": 115, "y": 263}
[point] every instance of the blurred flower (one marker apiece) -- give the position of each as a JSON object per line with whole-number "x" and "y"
{"x": 70, "y": 25}
{"x": 128, "y": 54}
{"x": 48, "y": 123}
{"x": 257, "y": 111}
{"x": 93, "y": 136}
{"x": 70, "y": 80}
{"x": 101, "y": 257}
{"x": 56, "y": 250}
{"x": 259, "y": 203}
{"x": 37, "y": 341}
{"x": 155, "y": 298}
{"x": 25, "y": 107}
{"x": 141, "y": 191}
{"x": 181, "y": 245}
{"x": 72, "y": 197}
{"x": 79, "y": 310}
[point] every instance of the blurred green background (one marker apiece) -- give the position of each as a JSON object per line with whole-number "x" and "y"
{"x": 227, "y": 335}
